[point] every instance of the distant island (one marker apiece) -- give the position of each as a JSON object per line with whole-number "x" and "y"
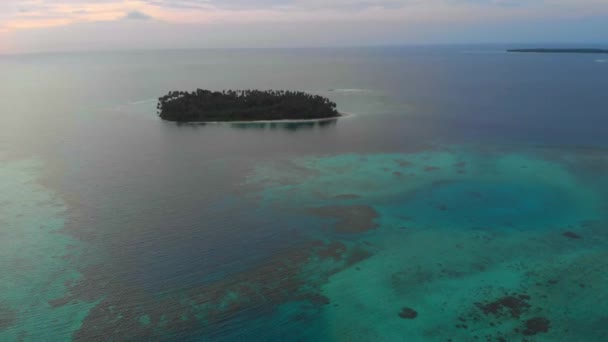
{"x": 559, "y": 50}
{"x": 244, "y": 105}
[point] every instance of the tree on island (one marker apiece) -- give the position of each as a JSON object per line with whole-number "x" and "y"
{"x": 243, "y": 105}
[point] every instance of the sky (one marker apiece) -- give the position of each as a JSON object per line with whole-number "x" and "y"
{"x": 72, "y": 25}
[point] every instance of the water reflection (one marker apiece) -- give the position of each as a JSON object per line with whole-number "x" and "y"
{"x": 270, "y": 126}
{"x": 288, "y": 126}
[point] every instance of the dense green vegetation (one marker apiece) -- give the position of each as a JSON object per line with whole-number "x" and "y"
{"x": 560, "y": 50}
{"x": 243, "y": 105}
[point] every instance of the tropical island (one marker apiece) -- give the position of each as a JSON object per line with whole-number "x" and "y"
{"x": 559, "y": 50}
{"x": 244, "y": 105}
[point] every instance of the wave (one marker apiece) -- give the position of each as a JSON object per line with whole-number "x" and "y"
{"x": 601, "y": 60}
{"x": 133, "y": 103}
{"x": 350, "y": 90}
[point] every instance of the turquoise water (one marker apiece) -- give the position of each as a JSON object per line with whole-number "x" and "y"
{"x": 36, "y": 258}
{"x": 457, "y": 229}
{"x": 454, "y": 203}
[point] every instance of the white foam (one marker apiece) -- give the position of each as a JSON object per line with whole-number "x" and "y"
{"x": 601, "y": 60}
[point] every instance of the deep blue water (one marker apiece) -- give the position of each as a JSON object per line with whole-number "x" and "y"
{"x": 455, "y": 180}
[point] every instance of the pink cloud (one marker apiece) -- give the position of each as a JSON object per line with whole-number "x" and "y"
{"x": 24, "y": 14}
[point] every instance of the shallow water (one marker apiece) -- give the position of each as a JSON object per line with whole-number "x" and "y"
{"x": 464, "y": 199}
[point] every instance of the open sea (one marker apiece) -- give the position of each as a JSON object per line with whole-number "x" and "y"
{"x": 463, "y": 198}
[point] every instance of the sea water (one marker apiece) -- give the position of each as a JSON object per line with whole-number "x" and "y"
{"x": 464, "y": 198}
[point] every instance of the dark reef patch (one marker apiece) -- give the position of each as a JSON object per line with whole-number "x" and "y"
{"x": 350, "y": 219}
{"x": 294, "y": 275}
{"x": 8, "y": 317}
{"x": 508, "y": 318}
{"x": 59, "y": 302}
{"x": 403, "y": 162}
{"x": 319, "y": 299}
{"x": 347, "y": 197}
{"x": 431, "y": 168}
{"x": 536, "y": 325}
{"x": 572, "y": 235}
{"x": 356, "y": 255}
{"x": 513, "y": 305}
{"x": 334, "y": 250}
{"x": 408, "y": 313}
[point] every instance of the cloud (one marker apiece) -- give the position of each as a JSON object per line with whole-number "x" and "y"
{"x": 22, "y": 13}
{"x": 137, "y": 15}
{"x": 398, "y": 17}
{"x": 282, "y": 5}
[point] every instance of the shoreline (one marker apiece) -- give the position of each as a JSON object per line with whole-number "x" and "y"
{"x": 342, "y": 115}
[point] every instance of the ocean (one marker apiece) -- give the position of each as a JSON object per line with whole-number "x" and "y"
{"x": 463, "y": 197}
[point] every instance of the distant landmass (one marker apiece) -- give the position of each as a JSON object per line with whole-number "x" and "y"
{"x": 244, "y": 105}
{"x": 559, "y": 50}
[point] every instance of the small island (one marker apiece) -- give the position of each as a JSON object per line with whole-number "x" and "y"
{"x": 559, "y": 50}
{"x": 244, "y": 105}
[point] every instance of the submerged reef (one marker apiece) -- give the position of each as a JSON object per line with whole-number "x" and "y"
{"x": 459, "y": 248}
{"x": 7, "y": 317}
{"x": 513, "y": 305}
{"x": 350, "y": 219}
{"x": 408, "y": 313}
{"x": 572, "y": 235}
{"x": 462, "y": 236}
{"x": 244, "y": 105}
{"x": 36, "y": 257}
{"x": 537, "y": 325}
{"x": 135, "y": 314}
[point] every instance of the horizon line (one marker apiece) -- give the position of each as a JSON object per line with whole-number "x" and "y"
{"x": 303, "y": 47}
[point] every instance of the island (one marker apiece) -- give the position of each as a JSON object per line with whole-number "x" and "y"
{"x": 559, "y": 50}
{"x": 244, "y": 105}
